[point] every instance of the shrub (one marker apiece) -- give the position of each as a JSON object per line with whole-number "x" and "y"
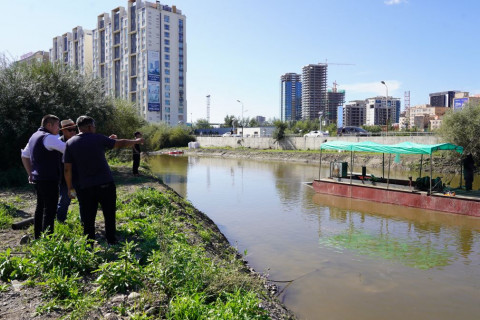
{"x": 122, "y": 275}
{"x": 70, "y": 256}
{"x": 12, "y": 268}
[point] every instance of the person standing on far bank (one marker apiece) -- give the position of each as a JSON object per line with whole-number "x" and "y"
{"x": 136, "y": 154}
{"x": 69, "y": 129}
{"x": 85, "y": 153}
{"x": 468, "y": 169}
{"x": 42, "y": 159}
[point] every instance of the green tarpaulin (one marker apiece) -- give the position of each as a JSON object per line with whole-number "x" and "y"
{"x": 399, "y": 148}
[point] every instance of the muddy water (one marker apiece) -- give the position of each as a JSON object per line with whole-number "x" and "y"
{"x": 336, "y": 258}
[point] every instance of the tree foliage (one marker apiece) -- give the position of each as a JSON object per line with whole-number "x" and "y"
{"x": 463, "y": 128}
{"x": 125, "y": 120}
{"x": 202, "y": 124}
{"x": 279, "y": 132}
{"x": 28, "y": 92}
{"x": 228, "y": 121}
{"x": 160, "y": 136}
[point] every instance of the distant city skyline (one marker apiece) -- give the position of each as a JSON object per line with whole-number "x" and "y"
{"x": 239, "y": 50}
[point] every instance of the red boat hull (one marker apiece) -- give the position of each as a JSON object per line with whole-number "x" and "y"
{"x": 457, "y": 205}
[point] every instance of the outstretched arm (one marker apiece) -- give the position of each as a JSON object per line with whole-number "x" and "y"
{"x": 125, "y": 143}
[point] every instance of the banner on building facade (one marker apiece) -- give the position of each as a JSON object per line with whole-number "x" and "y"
{"x": 153, "y": 75}
{"x": 458, "y": 103}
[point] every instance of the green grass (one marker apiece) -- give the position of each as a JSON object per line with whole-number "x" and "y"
{"x": 166, "y": 259}
{"x": 414, "y": 255}
{"x": 7, "y": 213}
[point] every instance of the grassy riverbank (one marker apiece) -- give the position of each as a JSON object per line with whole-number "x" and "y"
{"x": 172, "y": 262}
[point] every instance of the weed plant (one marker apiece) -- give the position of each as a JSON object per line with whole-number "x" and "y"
{"x": 7, "y": 212}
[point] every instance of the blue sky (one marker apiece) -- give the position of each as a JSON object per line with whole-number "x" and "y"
{"x": 237, "y": 50}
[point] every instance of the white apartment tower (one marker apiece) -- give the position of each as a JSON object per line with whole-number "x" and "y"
{"x": 74, "y": 49}
{"x": 140, "y": 52}
{"x": 380, "y": 109}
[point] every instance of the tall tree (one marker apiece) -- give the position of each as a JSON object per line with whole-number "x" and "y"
{"x": 462, "y": 127}
{"x": 228, "y": 121}
{"x": 202, "y": 124}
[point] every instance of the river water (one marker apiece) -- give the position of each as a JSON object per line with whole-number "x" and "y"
{"x": 332, "y": 257}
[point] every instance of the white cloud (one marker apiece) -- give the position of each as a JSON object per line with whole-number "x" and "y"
{"x": 368, "y": 89}
{"x": 393, "y": 2}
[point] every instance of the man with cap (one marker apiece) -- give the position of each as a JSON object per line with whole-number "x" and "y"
{"x": 68, "y": 129}
{"x": 85, "y": 154}
{"x": 42, "y": 158}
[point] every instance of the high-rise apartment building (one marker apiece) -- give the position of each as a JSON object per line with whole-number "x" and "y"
{"x": 37, "y": 57}
{"x": 314, "y": 90}
{"x": 443, "y": 99}
{"x": 379, "y": 109}
{"x": 354, "y": 113}
{"x": 140, "y": 52}
{"x": 74, "y": 49}
{"x": 291, "y": 97}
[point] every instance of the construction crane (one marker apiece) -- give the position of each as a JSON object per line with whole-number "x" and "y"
{"x": 338, "y": 64}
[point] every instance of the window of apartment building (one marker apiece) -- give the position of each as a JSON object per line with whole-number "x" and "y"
{"x": 166, "y": 18}
{"x": 166, "y": 49}
{"x": 167, "y": 94}
{"x": 167, "y": 64}
{"x": 180, "y": 110}
{"x": 167, "y": 87}
{"x": 167, "y": 109}
{"x": 167, "y": 102}
{"x": 167, "y": 57}
{"x": 167, "y": 71}
{"x": 166, "y": 34}
{"x": 166, "y": 26}
{"x": 166, "y": 42}
{"x": 167, "y": 80}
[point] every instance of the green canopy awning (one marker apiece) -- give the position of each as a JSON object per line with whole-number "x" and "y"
{"x": 399, "y": 148}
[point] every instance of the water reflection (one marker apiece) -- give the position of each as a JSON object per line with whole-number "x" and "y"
{"x": 351, "y": 259}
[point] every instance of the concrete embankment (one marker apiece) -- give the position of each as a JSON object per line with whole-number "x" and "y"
{"x": 303, "y": 143}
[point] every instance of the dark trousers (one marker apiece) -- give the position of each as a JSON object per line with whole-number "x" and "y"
{"x": 89, "y": 198}
{"x": 136, "y": 163}
{"x": 47, "y": 197}
{"x": 63, "y": 203}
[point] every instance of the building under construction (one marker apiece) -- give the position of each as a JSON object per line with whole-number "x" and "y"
{"x": 335, "y": 99}
{"x": 314, "y": 91}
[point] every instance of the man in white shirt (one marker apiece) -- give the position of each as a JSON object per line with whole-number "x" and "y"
{"x": 42, "y": 159}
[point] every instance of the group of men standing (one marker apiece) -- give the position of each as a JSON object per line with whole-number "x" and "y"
{"x": 73, "y": 166}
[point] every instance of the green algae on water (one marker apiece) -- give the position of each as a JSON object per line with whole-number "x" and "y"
{"x": 416, "y": 255}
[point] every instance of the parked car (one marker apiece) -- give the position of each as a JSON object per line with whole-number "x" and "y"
{"x": 353, "y": 131}
{"x": 317, "y": 134}
{"x": 229, "y": 134}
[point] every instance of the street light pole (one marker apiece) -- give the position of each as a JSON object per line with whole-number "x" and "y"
{"x": 242, "y": 115}
{"x": 386, "y": 102}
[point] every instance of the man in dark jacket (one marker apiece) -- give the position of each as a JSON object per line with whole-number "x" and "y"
{"x": 42, "y": 158}
{"x": 85, "y": 153}
{"x": 136, "y": 154}
{"x": 468, "y": 171}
